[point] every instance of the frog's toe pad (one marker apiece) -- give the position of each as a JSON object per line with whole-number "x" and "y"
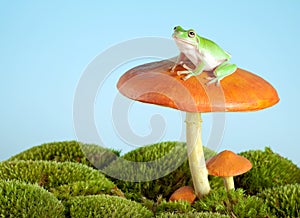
{"x": 210, "y": 77}
{"x": 187, "y": 67}
{"x": 183, "y": 72}
{"x": 188, "y": 76}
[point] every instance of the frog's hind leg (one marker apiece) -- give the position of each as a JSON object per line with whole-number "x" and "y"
{"x": 223, "y": 70}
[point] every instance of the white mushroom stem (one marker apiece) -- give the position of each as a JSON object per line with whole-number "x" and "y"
{"x": 228, "y": 182}
{"x": 196, "y": 155}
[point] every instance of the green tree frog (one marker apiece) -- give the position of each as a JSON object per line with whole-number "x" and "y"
{"x": 203, "y": 53}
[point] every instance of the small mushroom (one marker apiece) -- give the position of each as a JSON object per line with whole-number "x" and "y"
{"x": 185, "y": 193}
{"x": 228, "y": 164}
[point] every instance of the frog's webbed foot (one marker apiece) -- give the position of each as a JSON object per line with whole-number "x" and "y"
{"x": 215, "y": 80}
{"x": 189, "y": 74}
{"x": 187, "y": 67}
{"x": 184, "y": 66}
{"x": 172, "y": 69}
{"x": 188, "y": 71}
{"x": 183, "y": 72}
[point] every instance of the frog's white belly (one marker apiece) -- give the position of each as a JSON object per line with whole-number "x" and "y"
{"x": 194, "y": 55}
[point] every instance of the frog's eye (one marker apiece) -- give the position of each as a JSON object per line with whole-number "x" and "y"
{"x": 191, "y": 34}
{"x": 175, "y": 27}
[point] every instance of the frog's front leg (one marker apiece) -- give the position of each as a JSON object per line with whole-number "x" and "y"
{"x": 190, "y": 72}
{"x": 179, "y": 61}
{"x": 187, "y": 71}
{"x": 223, "y": 70}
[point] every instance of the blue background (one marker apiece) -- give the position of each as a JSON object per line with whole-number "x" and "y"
{"x": 46, "y": 45}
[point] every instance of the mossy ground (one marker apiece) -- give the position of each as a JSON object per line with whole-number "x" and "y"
{"x": 66, "y": 183}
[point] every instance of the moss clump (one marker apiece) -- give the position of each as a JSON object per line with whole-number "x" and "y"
{"x": 70, "y": 151}
{"x": 83, "y": 188}
{"x": 269, "y": 170}
{"x": 169, "y": 155}
{"x": 105, "y": 206}
{"x": 234, "y": 203}
{"x": 192, "y": 215}
{"x": 52, "y": 175}
{"x": 18, "y": 199}
{"x": 283, "y": 201}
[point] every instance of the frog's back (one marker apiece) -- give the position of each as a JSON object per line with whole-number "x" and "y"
{"x": 208, "y": 46}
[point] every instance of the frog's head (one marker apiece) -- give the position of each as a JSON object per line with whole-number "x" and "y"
{"x": 185, "y": 36}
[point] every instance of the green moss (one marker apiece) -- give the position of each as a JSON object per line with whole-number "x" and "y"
{"x": 178, "y": 207}
{"x": 52, "y": 175}
{"x": 18, "y": 199}
{"x": 105, "y": 206}
{"x": 70, "y": 151}
{"x": 269, "y": 170}
{"x": 233, "y": 203}
{"x": 169, "y": 154}
{"x": 192, "y": 215}
{"x": 83, "y": 188}
{"x": 216, "y": 182}
{"x": 283, "y": 201}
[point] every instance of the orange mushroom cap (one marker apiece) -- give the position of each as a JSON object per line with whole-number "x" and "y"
{"x": 154, "y": 83}
{"x": 227, "y": 163}
{"x": 185, "y": 193}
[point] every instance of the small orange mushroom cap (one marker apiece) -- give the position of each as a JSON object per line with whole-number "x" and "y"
{"x": 227, "y": 163}
{"x": 185, "y": 193}
{"x": 154, "y": 83}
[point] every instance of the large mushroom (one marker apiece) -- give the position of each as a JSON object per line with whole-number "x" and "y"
{"x": 227, "y": 164}
{"x": 155, "y": 83}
